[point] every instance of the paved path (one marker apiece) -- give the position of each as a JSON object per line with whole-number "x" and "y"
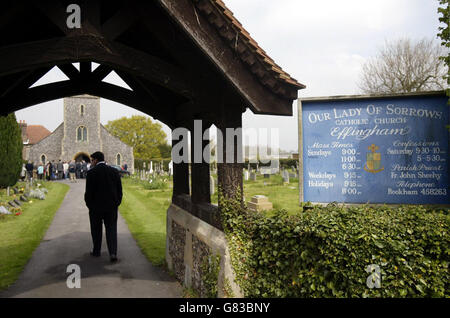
{"x": 68, "y": 241}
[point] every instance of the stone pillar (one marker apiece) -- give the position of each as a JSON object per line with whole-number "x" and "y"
{"x": 229, "y": 172}
{"x": 180, "y": 176}
{"x": 200, "y": 175}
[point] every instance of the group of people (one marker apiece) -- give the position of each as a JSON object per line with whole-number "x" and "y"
{"x": 58, "y": 170}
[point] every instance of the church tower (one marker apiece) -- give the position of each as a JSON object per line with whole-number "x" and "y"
{"x": 81, "y": 128}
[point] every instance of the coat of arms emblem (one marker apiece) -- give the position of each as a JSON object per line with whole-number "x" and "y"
{"x": 373, "y": 162}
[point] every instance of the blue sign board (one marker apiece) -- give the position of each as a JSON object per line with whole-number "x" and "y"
{"x": 376, "y": 150}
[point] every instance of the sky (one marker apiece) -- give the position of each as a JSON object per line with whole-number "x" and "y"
{"x": 323, "y": 44}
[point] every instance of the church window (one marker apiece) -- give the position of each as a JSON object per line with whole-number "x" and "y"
{"x": 81, "y": 133}
{"x": 43, "y": 159}
{"x": 119, "y": 159}
{"x": 82, "y": 110}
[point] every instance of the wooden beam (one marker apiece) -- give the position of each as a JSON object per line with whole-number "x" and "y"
{"x": 25, "y": 81}
{"x": 69, "y": 70}
{"x": 85, "y": 69}
{"x": 52, "y": 91}
{"x": 101, "y": 72}
{"x": 90, "y": 48}
{"x": 56, "y": 12}
{"x": 120, "y": 22}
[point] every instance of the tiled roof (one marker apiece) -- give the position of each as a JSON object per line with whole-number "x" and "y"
{"x": 36, "y": 133}
{"x": 268, "y": 72}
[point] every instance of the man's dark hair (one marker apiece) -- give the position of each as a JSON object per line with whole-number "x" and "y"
{"x": 98, "y": 155}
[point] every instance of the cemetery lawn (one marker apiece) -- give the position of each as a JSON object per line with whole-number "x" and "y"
{"x": 145, "y": 214}
{"x": 145, "y": 210}
{"x": 282, "y": 196}
{"x": 20, "y": 235}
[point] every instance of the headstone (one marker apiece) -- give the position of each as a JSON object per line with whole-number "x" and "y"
{"x": 246, "y": 175}
{"x": 292, "y": 175}
{"x": 22, "y": 198}
{"x": 212, "y": 187}
{"x": 253, "y": 176}
{"x": 151, "y": 167}
{"x": 259, "y": 203}
{"x": 16, "y": 191}
{"x": 285, "y": 176}
{"x": 7, "y": 191}
{"x": 13, "y": 204}
{"x": 17, "y": 202}
{"x": 4, "y": 210}
{"x": 266, "y": 176}
{"x": 170, "y": 168}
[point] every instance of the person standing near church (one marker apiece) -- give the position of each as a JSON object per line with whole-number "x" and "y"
{"x": 60, "y": 168}
{"x": 66, "y": 169}
{"x": 103, "y": 196}
{"x": 72, "y": 170}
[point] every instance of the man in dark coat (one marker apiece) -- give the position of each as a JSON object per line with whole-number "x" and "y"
{"x": 103, "y": 196}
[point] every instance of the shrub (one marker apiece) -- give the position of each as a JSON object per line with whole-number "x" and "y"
{"x": 10, "y": 150}
{"x": 326, "y": 251}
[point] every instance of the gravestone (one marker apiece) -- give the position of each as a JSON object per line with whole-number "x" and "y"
{"x": 266, "y": 176}
{"x": 292, "y": 175}
{"x": 285, "y": 177}
{"x": 4, "y": 210}
{"x": 13, "y": 204}
{"x": 22, "y": 198}
{"x": 170, "y": 168}
{"x": 253, "y": 176}
{"x": 7, "y": 191}
{"x": 16, "y": 191}
{"x": 259, "y": 203}
{"x": 17, "y": 202}
{"x": 212, "y": 188}
{"x": 246, "y": 175}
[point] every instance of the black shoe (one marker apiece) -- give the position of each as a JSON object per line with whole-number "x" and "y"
{"x": 113, "y": 258}
{"x": 95, "y": 254}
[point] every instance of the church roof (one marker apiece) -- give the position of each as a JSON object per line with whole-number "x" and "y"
{"x": 36, "y": 133}
{"x": 269, "y": 73}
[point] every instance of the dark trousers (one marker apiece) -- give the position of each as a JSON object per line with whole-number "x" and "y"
{"x": 109, "y": 218}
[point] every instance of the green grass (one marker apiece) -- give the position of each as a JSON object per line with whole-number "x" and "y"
{"x": 145, "y": 210}
{"x": 20, "y": 235}
{"x": 145, "y": 214}
{"x": 283, "y": 196}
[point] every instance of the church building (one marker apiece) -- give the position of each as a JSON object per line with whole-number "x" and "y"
{"x": 80, "y": 135}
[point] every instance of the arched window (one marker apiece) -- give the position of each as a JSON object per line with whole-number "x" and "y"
{"x": 82, "y": 110}
{"x": 119, "y": 159}
{"x": 81, "y": 133}
{"x": 43, "y": 159}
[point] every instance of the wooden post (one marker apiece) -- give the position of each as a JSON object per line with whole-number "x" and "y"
{"x": 200, "y": 175}
{"x": 300, "y": 152}
{"x": 229, "y": 172}
{"x": 180, "y": 176}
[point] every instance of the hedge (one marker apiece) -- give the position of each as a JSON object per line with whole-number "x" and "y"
{"x": 325, "y": 251}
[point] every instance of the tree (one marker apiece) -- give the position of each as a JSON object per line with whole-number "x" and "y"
{"x": 404, "y": 66}
{"x": 141, "y": 133}
{"x": 444, "y": 33}
{"x": 10, "y": 150}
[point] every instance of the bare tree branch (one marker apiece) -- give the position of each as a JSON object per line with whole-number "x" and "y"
{"x": 404, "y": 66}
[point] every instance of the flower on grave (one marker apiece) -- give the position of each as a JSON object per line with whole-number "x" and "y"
{"x": 18, "y": 213}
